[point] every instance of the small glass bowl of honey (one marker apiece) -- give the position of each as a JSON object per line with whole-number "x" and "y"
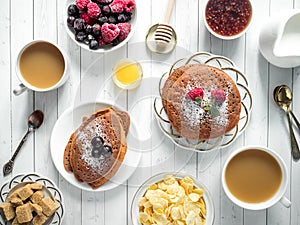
{"x": 127, "y": 74}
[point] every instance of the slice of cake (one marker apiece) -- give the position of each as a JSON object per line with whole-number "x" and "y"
{"x": 97, "y": 148}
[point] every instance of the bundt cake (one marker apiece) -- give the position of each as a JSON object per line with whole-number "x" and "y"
{"x": 202, "y": 102}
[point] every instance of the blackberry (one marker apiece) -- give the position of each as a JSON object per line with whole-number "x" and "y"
{"x": 102, "y": 20}
{"x": 106, "y": 10}
{"x": 122, "y": 18}
{"x": 96, "y": 30}
{"x": 128, "y": 15}
{"x": 79, "y": 24}
{"x": 89, "y": 29}
{"x": 80, "y": 36}
{"x": 70, "y": 21}
{"x": 112, "y": 19}
{"x": 90, "y": 37}
{"x": 73, "y": 10}
{"x": 115, "y": 42}
{"x": 93, "y": 44}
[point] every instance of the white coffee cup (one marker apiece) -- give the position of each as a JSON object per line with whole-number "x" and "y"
{"x": 24, "y": 85}
{"x": 277, "y": 197}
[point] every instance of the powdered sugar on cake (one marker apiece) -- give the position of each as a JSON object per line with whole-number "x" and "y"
{"x": 84, "y": 137}
{"x": 194, "y": 112}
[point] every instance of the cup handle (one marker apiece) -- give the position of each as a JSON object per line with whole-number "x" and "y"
{"x": 285, "y": 202}
{"x": 19, "y": 89}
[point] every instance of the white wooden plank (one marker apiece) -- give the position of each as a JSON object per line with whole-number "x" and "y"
{"x": 45, "y": 28}
{"x": 21, "y": 33}
{"x": 187, "y": 22}
{"x": 66, "y": 96}
{"x": 137, "y": 50}
{"x": 257, "y": 70}
{"x": 278, "y": 135}
{"x": 295, "y": 184}
{"x": 115, "y": 199}
{"x": 5, "y": 67}
{"x": 90, "y": 84}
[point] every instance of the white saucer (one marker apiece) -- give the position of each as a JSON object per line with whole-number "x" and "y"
{"x": 68, "y": 122}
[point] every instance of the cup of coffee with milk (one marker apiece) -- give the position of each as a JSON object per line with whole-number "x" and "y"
{"x": 255, "y": 178}
{"x": 41, "y": 66}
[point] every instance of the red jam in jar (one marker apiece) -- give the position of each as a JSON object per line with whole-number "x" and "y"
{"x": 228, "y": 17}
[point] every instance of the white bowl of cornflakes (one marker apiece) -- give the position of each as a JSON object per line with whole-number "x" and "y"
{"x": 172, "y": 198}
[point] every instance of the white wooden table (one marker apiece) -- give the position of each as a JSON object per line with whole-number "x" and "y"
{"x": 24, "y": 20}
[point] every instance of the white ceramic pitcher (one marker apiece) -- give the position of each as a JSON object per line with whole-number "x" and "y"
{"x": 279, "y": 39}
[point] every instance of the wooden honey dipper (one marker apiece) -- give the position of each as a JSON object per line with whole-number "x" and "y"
{"x": 164, "y": 32}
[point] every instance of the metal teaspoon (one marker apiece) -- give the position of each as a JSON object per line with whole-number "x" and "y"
{"x": 35, "y": 120}
{"x": 283, "y": 98}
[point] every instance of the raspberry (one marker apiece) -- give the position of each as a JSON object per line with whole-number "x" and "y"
{"x": 93, "y": 10}
{"x": 124, "y": 30}
{"x": 218, "y": 95}
{"x": 87, "y": 19}
{"x": 117, "y": 6}
{"x": 109, "y": 32}
{"x": 81, "y": 4}
{"x": 195, "y": 94}
{"x": 129, "y": 5}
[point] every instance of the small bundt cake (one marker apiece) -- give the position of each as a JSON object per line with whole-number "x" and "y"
{"x": 202, "y": 102}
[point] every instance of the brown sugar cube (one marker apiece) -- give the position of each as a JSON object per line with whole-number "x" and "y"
{"x": 24, "y": 213}
{"x": 25, "y": 192}
{"x": 36, "y": 208}
{"x": 39, "y": 219}
{"x": 15, "y": 194}
{"x": 16, "y": 201}
{"x": 48, "y": 205}
{"x": 37, "y": 197}
{"x": 36, "y": 186}
{"x": 8, "y": 210}
{"x": 15, "y": 222}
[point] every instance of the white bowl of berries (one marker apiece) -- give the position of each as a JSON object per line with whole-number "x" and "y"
{"x": 100, "y": 25}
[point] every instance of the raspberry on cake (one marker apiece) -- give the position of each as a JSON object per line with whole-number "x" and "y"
{"x": 202, "y": 102}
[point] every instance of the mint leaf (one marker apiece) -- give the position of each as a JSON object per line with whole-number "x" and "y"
{"x": 198, "y": 99}
{"x": 207, "y": 108}
{"x": 214, "y": 112}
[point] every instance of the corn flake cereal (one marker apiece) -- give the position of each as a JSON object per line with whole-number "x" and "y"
{"x": 172, "y": 201}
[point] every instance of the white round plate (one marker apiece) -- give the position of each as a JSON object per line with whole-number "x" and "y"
{"x": 68, "y": 122}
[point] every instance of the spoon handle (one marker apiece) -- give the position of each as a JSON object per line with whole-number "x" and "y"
{"x": 20, "y": 145}
{"x": 294, "y": 145}
{"x": 295, "y": 119}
